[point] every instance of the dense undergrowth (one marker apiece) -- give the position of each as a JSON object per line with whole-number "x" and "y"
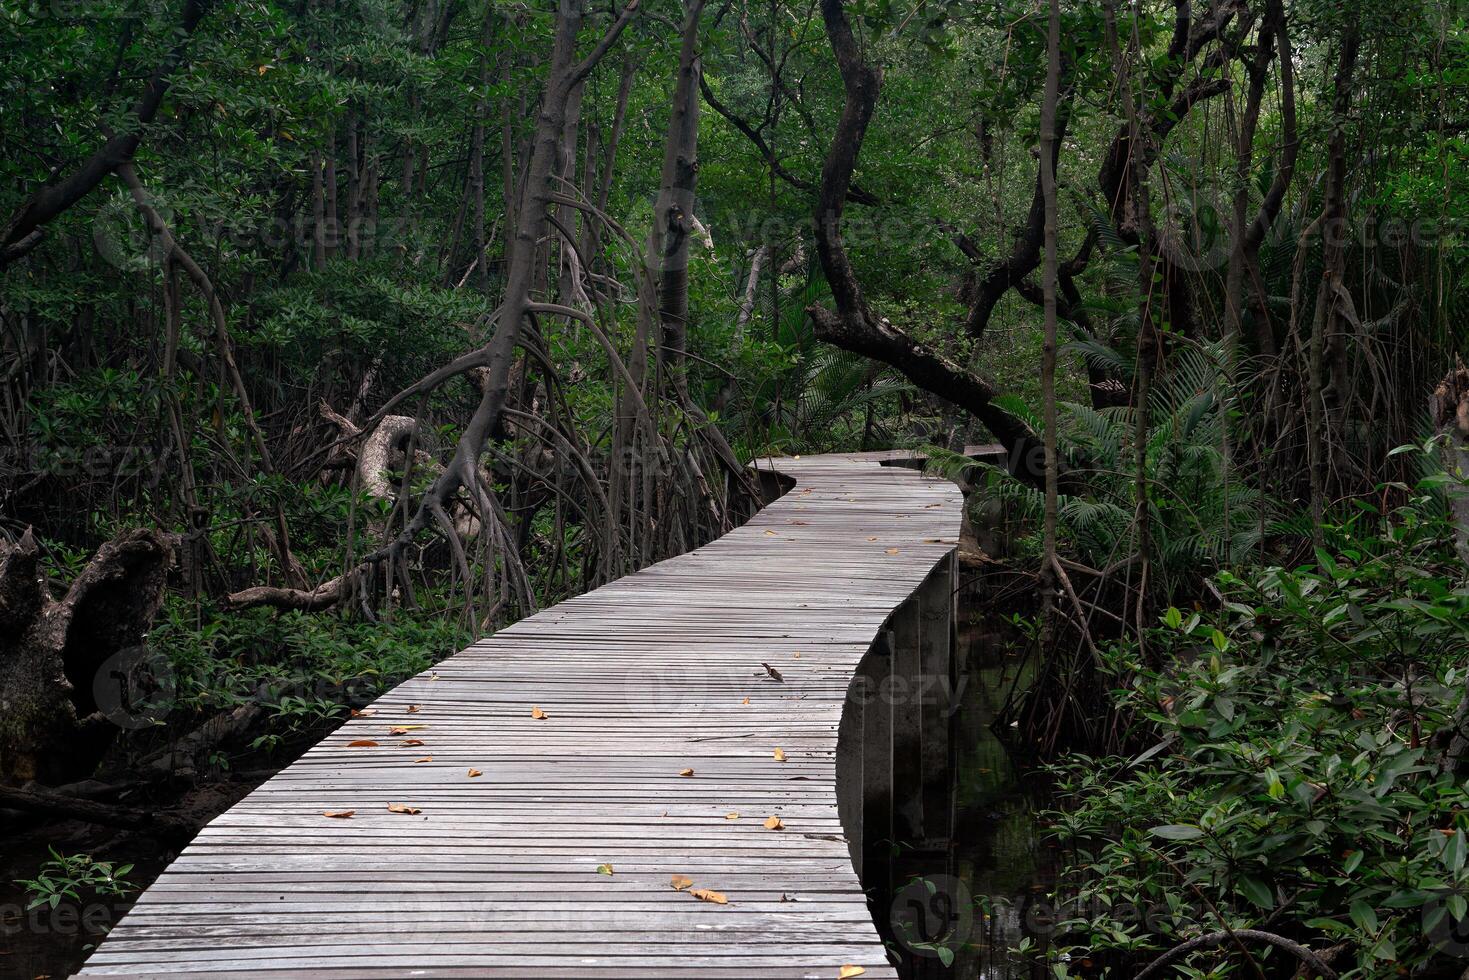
{"x": 1302, "y": 775}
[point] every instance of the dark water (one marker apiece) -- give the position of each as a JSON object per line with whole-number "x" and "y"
{"x": 963, "y": 909}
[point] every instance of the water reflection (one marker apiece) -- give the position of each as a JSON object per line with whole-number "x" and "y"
{"x": 963, "y": 907}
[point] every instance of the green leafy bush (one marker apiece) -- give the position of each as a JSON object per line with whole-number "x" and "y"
{"x": 1301, "y": 780}
{"x": 75, "y": 876}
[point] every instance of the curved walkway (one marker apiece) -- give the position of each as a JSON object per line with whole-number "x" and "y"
{"x": 498, "y": 867}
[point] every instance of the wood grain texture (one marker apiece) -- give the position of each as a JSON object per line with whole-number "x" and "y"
{"x": 641, "y": 680}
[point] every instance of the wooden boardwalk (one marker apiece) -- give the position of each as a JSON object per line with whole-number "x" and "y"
{"x": 640, "y": 682}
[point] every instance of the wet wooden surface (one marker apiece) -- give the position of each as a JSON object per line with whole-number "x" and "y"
{"x": 639, "y": 682}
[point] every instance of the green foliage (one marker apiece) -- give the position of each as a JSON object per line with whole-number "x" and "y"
{"x": 1199, "y": 517}
{"x": 1297, "y": 782}
{"x": 75, "y": 877}
{"x": 304, "y": 669}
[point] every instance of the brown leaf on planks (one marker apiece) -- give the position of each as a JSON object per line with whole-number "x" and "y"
{"x": 892, "y": 551}
{"x": 686, "y": 772}
{"x": 361, "y": 743}
{"x": 771, "y": 671}
{"x": 338, "y": 814}
{"x": 706, "y": 895}
{"x": 850, "y": 970}
{"x": 475, "y": 772}
{"x": 414, "y": 708}
{"x": 537, "y": 714}
{"x": 746, "y": 701}
{"x": 404, "y": 729}
{"x": 799, "y": 523}
{"x": 773, "y": 823}
{"x": 403, "y": 808}
{"x": 363, "y": 712}
{"x": 780, "y": 755}
{"x": 407, "y": 742}
{"x": 427, "y": 758}
{"x": 679, "y": 882}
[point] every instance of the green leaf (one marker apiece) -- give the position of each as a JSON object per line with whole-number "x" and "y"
{"x": 1177, "y": 831}
{"x": 1257, "y": 891}
{"x": 1364, "y": 916}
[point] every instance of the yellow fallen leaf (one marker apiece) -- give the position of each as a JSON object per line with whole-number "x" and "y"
{"x": 746, "y": 701}
{"x": 427, "y": 758}
{"x": 604, "y": 869}
{"x": 434, "y": 676}
{"x": 537, "y": 714}
{"x": 338, "y": 814}
{"x": 679, "y": 882}
{"x": 403, "y": 808}
{"x": 361, "y": 743}
{"x": 404, "y": 729}
{"x": 798, "y": 654}
{"x": 705, "y": 895}
{"x": 780, "y": 755}
{"x": 686, "y": 772}
{"x": 892, "y": 551}
{"x": 850, "y": 970}
{"x": 773, "y": 823}
{"x": 731, "y": 816}
{"x": 475, "y": 772}
{"x": 772, "y": 534}
{"x": 410, "y": 742}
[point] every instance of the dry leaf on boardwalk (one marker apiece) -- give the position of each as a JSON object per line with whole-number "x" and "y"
{"x": 361, "y": 743}
{"x": 773, "y": 823}
{"x": 407, "y": 742}
{"x": 404, "y": 729}
{"x": 679, "y": 882}
{"x": 850, "y": 970}
{"x": 537, "y": 714}
{"x": 686, "y": 772}
{"x": 771, "y": 671}
{"x": 746, "y": 701}
{"x": 772, "y": 534}
{"x": 705, "y": 895}
{"x": 780, "y": 755}
{"x": 731, "y": 816}
{"x": 604, "y": 869}
{"x": 427, "y": 758}
{"x": 403, "y": 808}
{"x": 338, "y": 814}
{"x": 413, "y": 708}
{"x": 475, "y": 772}
{"x": 892, "y": 551}
{"x": 363, "y": 712}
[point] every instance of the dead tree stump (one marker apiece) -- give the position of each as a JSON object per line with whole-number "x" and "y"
{"x": 52, "y": 728}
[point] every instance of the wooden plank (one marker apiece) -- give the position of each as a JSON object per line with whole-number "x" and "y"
{"x": 640, "y": 680}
